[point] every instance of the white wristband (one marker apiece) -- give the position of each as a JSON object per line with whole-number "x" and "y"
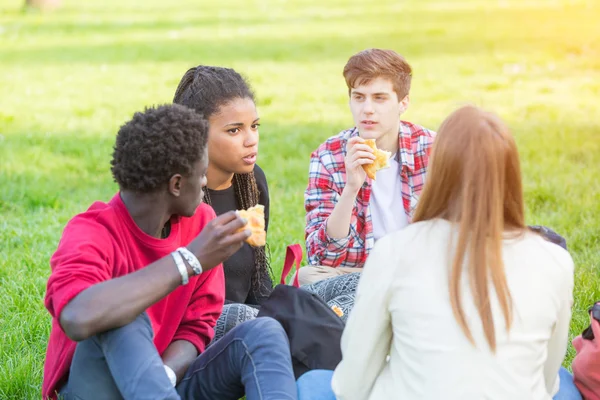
{"x": 171, "y": 375}
{"x": 191, "y": 259}
{"x": 181, "y": 267}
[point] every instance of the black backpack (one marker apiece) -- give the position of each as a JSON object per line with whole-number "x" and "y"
{"x": 314, "y": 330}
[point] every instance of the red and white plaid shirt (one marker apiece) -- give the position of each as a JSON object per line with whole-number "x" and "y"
{"x": 326, "y": 180}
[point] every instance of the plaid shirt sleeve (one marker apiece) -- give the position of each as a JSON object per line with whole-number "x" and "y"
{"x": 321, "y": 196}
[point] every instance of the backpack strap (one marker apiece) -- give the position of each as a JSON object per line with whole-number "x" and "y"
{"x": 293, "y": 255}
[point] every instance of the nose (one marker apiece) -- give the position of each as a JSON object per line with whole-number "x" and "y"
{"x": 368, "y": 107}
{"x": 251, "y": 138}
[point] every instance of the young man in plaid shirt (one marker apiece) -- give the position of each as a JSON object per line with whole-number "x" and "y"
{"x": 346, "y": 212}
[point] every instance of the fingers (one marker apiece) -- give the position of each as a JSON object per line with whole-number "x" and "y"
{"x": 236, "y": 238}
{"x": 234, "y": 225}
{"x": 225, "y": 218}
{"x": 360, "y": 158}
{"x": 361, "y": 161}
{"x": 352, "y": 142}
{"x": 227, "y": 223}
{"x": 360, "y": 148}
{"x": 220, "y": 239}
{"x": 363, "y": 147}
{"x": 355, "y": 139}
{"x": 364, "y": 154}
{"x": 233, "y": 242}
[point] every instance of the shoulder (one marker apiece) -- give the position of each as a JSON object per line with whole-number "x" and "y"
{"x": 259, "y": 175}
{"x": 263, "y": 187}
{"x": 407, "y": 248}
{"x": 91, "y": 232}
{"x": 547, "y": 267}
{"x": 415, "y": 131}
{"x": 410, "y": 240}
{"x": 417, "y": 234}
{"x": 418, "y": 135}
{"x": 397, "y": 254}
{"x": 555, "y": 256}
{"x": 94, "y": 223}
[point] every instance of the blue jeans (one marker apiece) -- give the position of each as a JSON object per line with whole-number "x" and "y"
{"x": 316, "y": 385}
{"x": 252, "y": 359}
{"x": 567, "y": 389}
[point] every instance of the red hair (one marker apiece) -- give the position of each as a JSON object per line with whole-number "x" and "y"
{"x": 474, "y": 180}
{"x": 370, "y": 64}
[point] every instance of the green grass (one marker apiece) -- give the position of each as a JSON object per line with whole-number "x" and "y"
{"x": 70, "y": 78}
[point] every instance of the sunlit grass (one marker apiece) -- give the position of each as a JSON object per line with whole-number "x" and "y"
{"x": 69, "y": 79}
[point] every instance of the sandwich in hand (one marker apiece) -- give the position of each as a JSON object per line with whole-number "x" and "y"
{"x": 381, "y": 161}
{"x": 256, "y": 223}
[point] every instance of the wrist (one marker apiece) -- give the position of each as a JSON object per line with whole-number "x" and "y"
{"x": 350, "y": 191}
{"x": 191, "y": 260}
{"x": 181, "y": 267}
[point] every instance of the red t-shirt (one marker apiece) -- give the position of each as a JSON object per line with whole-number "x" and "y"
{"x": 104, "y": 243}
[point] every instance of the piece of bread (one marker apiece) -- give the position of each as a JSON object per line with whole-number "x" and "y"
{"x": 381, "y": 161}
{"x": 256, "y": 223}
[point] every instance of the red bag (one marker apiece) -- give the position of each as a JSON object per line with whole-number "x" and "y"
{"x": 586, "y": 365}
{"x": 293, "y": 256}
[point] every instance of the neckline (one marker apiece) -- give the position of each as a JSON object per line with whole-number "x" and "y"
{"x": 222, "y": 191}
{"x": 126, "y": 218}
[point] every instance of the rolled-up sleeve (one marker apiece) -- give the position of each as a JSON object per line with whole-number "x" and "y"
{"x": 320, "y": 199}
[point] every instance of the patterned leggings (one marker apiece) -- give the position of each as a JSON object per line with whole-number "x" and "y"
{"x": 232, "y": 315}
{"x": 338, "y": 291}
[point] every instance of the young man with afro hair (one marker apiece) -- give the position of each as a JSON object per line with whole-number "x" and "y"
{"x": 137, "y": 283}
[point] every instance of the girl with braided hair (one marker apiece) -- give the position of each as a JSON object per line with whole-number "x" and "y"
{"x": 235, "y": 181}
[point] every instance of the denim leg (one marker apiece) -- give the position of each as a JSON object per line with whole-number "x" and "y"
{"x": 119, "y": 363}
{"x": 567, "y": 389}
{"x": 253, "y": 358}
{"x": 315, "y": 385}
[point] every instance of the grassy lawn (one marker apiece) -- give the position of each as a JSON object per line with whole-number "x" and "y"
{"x": 69, "y": 79}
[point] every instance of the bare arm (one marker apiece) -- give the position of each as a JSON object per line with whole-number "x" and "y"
{"x": 338, "y": 224}
{"x": 117, "y": 302}
{"x": 179, "y": 356}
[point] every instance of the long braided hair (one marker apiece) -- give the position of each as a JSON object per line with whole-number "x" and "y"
{"x": 206, "y": 89}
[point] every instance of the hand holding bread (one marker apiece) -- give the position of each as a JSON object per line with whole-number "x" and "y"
{"x": 382, "y": 159}
{"x": 363, "y": 159}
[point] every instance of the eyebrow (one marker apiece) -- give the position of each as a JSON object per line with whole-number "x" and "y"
{"x": 238, "y": 124}
{"x": 373, "y": 94}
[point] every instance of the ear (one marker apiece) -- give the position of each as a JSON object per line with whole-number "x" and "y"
{"x": 404, "y": 104}
{"x": 175, "y": 184}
